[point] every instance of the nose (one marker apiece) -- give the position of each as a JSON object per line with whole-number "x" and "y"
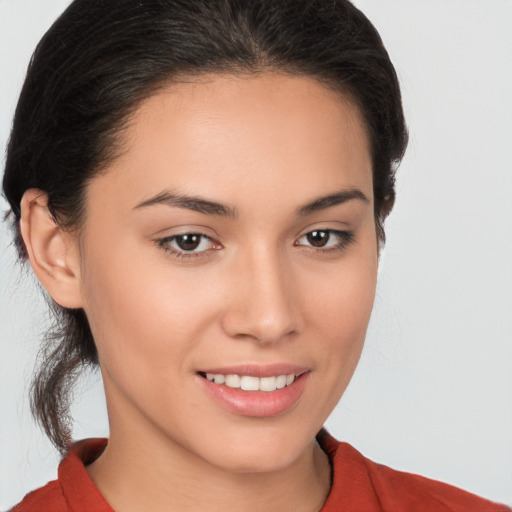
{"x": 264, "y": 303}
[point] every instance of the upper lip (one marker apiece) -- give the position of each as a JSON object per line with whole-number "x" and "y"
{"x": 258, "y": 370}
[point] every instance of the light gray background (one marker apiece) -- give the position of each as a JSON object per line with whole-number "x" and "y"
{"x": 433, "y": 392}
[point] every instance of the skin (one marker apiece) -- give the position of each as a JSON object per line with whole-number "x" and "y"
{"x": 257, "y": 291}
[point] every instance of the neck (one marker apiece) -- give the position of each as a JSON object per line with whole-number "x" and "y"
{"x": 162, "y": 476}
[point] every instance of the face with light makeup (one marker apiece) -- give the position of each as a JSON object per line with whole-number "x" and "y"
{"x": 235, "y": 235}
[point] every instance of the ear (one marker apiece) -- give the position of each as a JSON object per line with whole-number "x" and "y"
{"x": 52, "y": 252}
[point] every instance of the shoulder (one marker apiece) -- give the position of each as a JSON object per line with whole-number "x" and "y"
{"x": 73, "y": 491}
{"x": 361, "y": 484}
{"x": 46, "y": 499}
{"x": 414, "y": 492}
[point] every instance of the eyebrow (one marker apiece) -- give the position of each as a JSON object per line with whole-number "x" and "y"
{"x": 335, "y": 199}
{"x": 197, "y": 204}
{"x": 208, "y": 207}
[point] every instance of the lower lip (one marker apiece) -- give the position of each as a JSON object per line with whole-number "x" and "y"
{"x": 259, "y": 404}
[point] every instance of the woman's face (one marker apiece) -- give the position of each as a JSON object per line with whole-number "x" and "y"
{"x": 234, "y": 238}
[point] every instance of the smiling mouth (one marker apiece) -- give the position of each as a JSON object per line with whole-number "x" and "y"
{"x": 250, "y": 383}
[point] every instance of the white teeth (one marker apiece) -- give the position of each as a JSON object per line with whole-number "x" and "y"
{"x": 232, "y": 381}
{"x": 219, "y": 378}
{"x": 267, "y": 383}
{"x": 281, "y": 381}
{"x": 250, "y": 383}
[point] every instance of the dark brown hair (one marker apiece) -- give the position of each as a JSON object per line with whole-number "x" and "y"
{"x": 100, "y": 59}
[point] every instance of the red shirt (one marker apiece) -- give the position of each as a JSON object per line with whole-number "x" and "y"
{"x": 359, "y": 485}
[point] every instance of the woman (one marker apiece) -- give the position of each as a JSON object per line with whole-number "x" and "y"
{"x": 201, "y": 188}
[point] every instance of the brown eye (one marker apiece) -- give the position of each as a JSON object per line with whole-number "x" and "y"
{"x": 318, "y": 238}
{"x": 188, "y": 242}
{"x": 324, "y": 240}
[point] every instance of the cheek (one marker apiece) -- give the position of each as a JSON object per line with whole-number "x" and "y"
{"x": 343, "y": 318}
{"x": 343, "y": 299}
{"x": 146, "y": 312}
{"x": 143, "y": 315}
{"x": 341, "y": 310}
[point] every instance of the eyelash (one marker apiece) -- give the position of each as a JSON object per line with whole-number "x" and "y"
{"x": 345, "y": 238}
{"x": 164, "y": 243}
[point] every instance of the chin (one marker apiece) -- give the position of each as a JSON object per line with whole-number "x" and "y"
{"x": 263, "y": 450}
{"x": 259, "y": 461}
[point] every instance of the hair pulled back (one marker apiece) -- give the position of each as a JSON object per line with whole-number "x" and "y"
{"x": 101, "y": 58}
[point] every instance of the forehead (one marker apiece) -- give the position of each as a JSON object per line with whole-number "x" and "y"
{"x": 256, "y": 134}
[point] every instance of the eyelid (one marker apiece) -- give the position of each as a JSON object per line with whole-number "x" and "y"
{"x": 345, "y": 238}
{"x": 164, "y": 244}
{"x": 184, "y": 229}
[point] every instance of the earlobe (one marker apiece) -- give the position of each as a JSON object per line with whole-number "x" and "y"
{"x": 52, "y": 251}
